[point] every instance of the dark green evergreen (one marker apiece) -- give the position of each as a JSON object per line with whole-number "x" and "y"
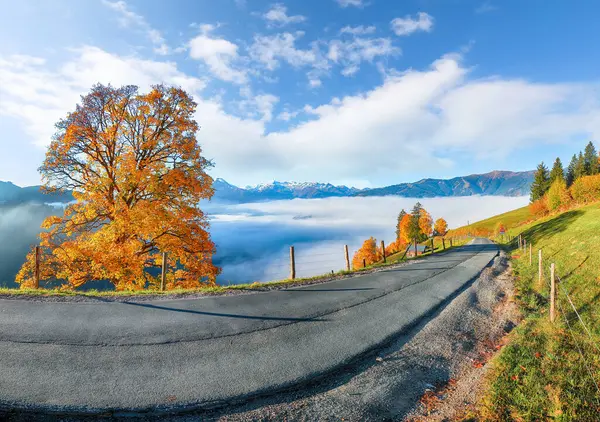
{"x": 570, "y": 177}
{"x": 557, "y": 171}
{"x": 541, "y": 183}
{"x": 590, "y": 160}
{"x": 580, "y": 166}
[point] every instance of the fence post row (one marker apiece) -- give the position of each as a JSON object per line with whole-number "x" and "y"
{"x": 292, "y": 264}
{"x": 530, "y": 254}
{"x": 163, "y": 273}
{"x": 552, "y": 292}
{"x": 347, "y": 258}
{"x": 36, "y": 271}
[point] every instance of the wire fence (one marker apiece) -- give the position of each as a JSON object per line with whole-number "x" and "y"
{"x": 560, "y": 295}
{"x": 304, "y": 263}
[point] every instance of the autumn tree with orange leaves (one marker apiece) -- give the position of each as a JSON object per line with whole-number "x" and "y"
{"x": 368, "y": 252}
{"x": 440, "y": 227}
{"x": 137, "y": 174}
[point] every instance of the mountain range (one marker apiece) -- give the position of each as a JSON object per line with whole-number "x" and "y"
{"x": 500, "y": 183}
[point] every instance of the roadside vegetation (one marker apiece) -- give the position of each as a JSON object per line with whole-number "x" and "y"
{"x": 551, "y": 371}
{"x": 412, "y": 229}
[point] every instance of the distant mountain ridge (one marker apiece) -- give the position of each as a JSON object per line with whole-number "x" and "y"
{"x": 499, "y": 183}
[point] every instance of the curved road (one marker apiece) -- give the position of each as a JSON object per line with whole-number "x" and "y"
{"x": 105, "y": 356}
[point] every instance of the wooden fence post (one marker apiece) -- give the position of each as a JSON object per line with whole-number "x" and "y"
{"x": 163, "y": 273}
{"x": 443, "y": 243}
{"x": 364, "y": 263}
{"x": 432, "y": 248}
{"x": 347, "y": 258}
{"x": 540, "y": 269}
{"x": 292, "y": 263}
{"x": 36, "y": 271}
{"x": 450, "y": 242}
{"x": 530, "y": 254}
{"x": 524, "y": 245}
{"x": 552, "y": 292}
{"x": 383, "y": 250}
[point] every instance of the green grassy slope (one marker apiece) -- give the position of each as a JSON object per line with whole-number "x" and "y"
{"x": 540, "y": 374}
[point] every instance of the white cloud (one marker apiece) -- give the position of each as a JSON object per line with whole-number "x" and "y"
{"x": 40, "y": 97}
{"x": 350, "y": 54}
{"x": 128, "y": 18}
{"x": 346, "y": 3}
{"x": 407, "y": 25}
{"x": 277, "y": 16}
{"x": 415, "y": 119}
{"x": 358, "y": 30}
{"x": 270, "y": 49}
{"x": 218, "y": 54}
{"x": 258, "y": 106}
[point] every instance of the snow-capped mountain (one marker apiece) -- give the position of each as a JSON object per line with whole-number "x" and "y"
{"x": 503, "y": 183}
{"x": 279, "y": 190}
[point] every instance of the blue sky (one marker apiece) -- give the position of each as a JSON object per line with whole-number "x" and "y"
{"x": 359, "y": 92}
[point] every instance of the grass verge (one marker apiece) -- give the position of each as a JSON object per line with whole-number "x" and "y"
{"x": 540, "y": 374}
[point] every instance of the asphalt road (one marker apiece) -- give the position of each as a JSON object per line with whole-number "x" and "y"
{"x": 103, "y": 356}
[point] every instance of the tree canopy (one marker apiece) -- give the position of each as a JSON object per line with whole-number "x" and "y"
{"x": 137, "y": 174}
{"x": 557, "y": 171}
{"x": 541, "y": 182}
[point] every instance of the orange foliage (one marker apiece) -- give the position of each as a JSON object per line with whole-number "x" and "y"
{"x": 368, "y": 252}
{"x": 405, "y": 228}
{"x": 538, "y": 208}
{"x": 586, "y": 189}
{"x": 441, "y": 227}
{"x": 137, "y": 174}
{"x": 426, "y": 223}
{"x": 396, "y": 246}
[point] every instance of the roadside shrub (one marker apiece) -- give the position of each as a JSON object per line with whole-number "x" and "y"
{"x": 558, "y": 195}
{"x": 395, "y": 246}
{"x": 369, "y": 252}
{"x": 538, "y": 208}
{"x": 586, "y": 189}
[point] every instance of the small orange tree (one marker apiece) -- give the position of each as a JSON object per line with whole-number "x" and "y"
{"x": 405, "y": 228}
{"x": 137, "y": 174}
{"x": 368, "y": 252}
{"x": 426, "y": 223}
{"x": 441, "y": 227}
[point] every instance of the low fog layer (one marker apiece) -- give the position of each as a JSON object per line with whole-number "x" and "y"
{"x": 253, "y": 239}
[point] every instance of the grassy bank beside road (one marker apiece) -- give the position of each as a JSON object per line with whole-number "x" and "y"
{"x": 551, "y": 371}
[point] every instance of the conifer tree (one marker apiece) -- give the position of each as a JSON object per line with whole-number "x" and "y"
{"x": 541, "y": 182}
{"x": 570, "y": 176}
{"x": 590, "y": 160}
{"x": 580, "y": 166}
{"x": 557, "y": 171}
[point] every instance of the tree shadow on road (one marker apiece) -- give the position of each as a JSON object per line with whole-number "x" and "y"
{"x": 224, "y": 315}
